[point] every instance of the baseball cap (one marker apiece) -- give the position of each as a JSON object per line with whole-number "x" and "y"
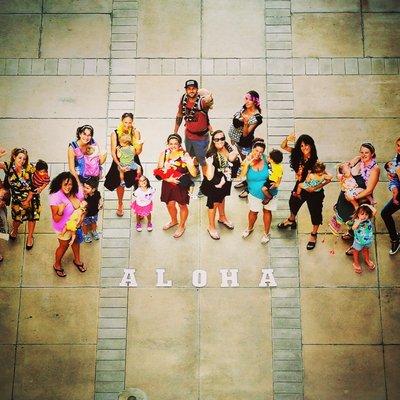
{"x": 191, "y": 82}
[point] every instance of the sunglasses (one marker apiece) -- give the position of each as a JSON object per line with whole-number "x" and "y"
{"x": 221, "y": 139}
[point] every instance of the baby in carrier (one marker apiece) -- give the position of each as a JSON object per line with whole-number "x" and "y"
{"x": 172, "y": 168}
{"x": 126, "y": 152}
{"x": 349, "y": 185}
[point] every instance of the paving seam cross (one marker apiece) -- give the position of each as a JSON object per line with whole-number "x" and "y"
{"x": 113, "y": 301}
{"x": 287, "y": 361}
{"x": 207, "y": 66}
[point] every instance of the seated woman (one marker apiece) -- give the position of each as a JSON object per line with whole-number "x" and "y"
{"x": 365, "y": 171}
{"x": 172, "y": 193}
{"x": 222, "y": 166}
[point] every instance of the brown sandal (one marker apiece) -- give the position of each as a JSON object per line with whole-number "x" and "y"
{"x": 81, "y": 266}
{"x": 59, "y": 272}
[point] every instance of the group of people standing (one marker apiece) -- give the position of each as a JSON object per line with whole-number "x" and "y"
{"x": 75, "y": 200}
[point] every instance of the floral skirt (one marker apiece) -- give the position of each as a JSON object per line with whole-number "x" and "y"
{"x": 31, "y": 213}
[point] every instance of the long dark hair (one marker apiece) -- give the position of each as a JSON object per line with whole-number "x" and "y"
{"x": 56, "y": 183}
{"x": 212, "y": 150}
{"x": 296, "y": 156}
{"x": 255, "y": 98}
{"x": 82, "y": 129}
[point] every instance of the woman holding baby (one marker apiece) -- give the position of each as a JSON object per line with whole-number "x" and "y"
{"x": 84, "y": 158}
{"x": 126, "y": 129}
{"x": 174, "y": 168}
{"x": 66, "y": 196}
{"x": 365, "y": 171}
{"x": 222, "y": 165}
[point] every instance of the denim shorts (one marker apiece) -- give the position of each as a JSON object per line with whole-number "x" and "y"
{"x": 358, "y": 246}
{"x": 198, "y": 149}
{"x": 90, "y": 220}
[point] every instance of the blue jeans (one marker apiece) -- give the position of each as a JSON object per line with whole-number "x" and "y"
{"x": 386, "y": 214}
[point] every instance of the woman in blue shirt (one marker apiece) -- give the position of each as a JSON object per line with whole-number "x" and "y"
{"x": 255, "y": 168}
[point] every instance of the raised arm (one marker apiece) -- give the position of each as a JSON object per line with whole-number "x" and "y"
{"x": 179, "y": 118}
{"x": 371, "y": 184}
{"x": 139, "y": 147}
{"x": 210, "y": 169}
{"x": 284, "y": 144}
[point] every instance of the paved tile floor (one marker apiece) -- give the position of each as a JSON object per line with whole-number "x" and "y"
{"x": 327, "y": 68}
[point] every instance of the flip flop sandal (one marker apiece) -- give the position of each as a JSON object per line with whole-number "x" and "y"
{"x": 213, "y": 235}
{"x": 178, "y": 233}
{"x": 59, "y": 272}
{"x": 227, "y": 223}
{"x": 81, "y": 267}
{"x": 357, "y": 269}
{"x": 169, "y": 225}
{"x": 311, "y": 245}
{"x": 370, "y": 265}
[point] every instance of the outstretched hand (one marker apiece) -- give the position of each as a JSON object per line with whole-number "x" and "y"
{"x": 291, "y": 137}
{"x": 187, "y": 159}
{"x": 209, "y": 161}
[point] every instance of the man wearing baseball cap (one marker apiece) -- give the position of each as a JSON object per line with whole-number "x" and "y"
{"x": 194, "y": 110}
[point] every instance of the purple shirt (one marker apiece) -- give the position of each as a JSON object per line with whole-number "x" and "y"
{"x": 58, "y": 198}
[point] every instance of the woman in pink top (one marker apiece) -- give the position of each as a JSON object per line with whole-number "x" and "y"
{"x": 65, "y": 197}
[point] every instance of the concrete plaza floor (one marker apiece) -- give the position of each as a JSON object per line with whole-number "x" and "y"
{"x": 326, "y": 68}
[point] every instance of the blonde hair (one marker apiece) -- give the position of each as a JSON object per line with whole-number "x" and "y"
{"x": 125, "y": 139}
{"x": 17, "y": 151}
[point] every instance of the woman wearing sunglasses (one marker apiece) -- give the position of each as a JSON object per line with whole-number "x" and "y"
{"x": 222, "y": 165}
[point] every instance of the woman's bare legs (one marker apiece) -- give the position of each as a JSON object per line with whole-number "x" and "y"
{"x": 120, "y": 194}
{"x": 15, "y": 227}
{"x": 211, "y": 217}
{"x": 252, "y": 218}
{"x": 183, "y": 214}
{"x": 60, "y": 251}
{"x": 267, "y": 218}
{"x": 31, "y": 229}
{"x": 173, "y": 213}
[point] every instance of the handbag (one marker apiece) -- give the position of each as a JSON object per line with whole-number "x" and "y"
{"x": 235, "y": 130}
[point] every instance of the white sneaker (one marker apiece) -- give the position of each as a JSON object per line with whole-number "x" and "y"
{"x": 247, "y": 232}
{"x": 265, "y": 238}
